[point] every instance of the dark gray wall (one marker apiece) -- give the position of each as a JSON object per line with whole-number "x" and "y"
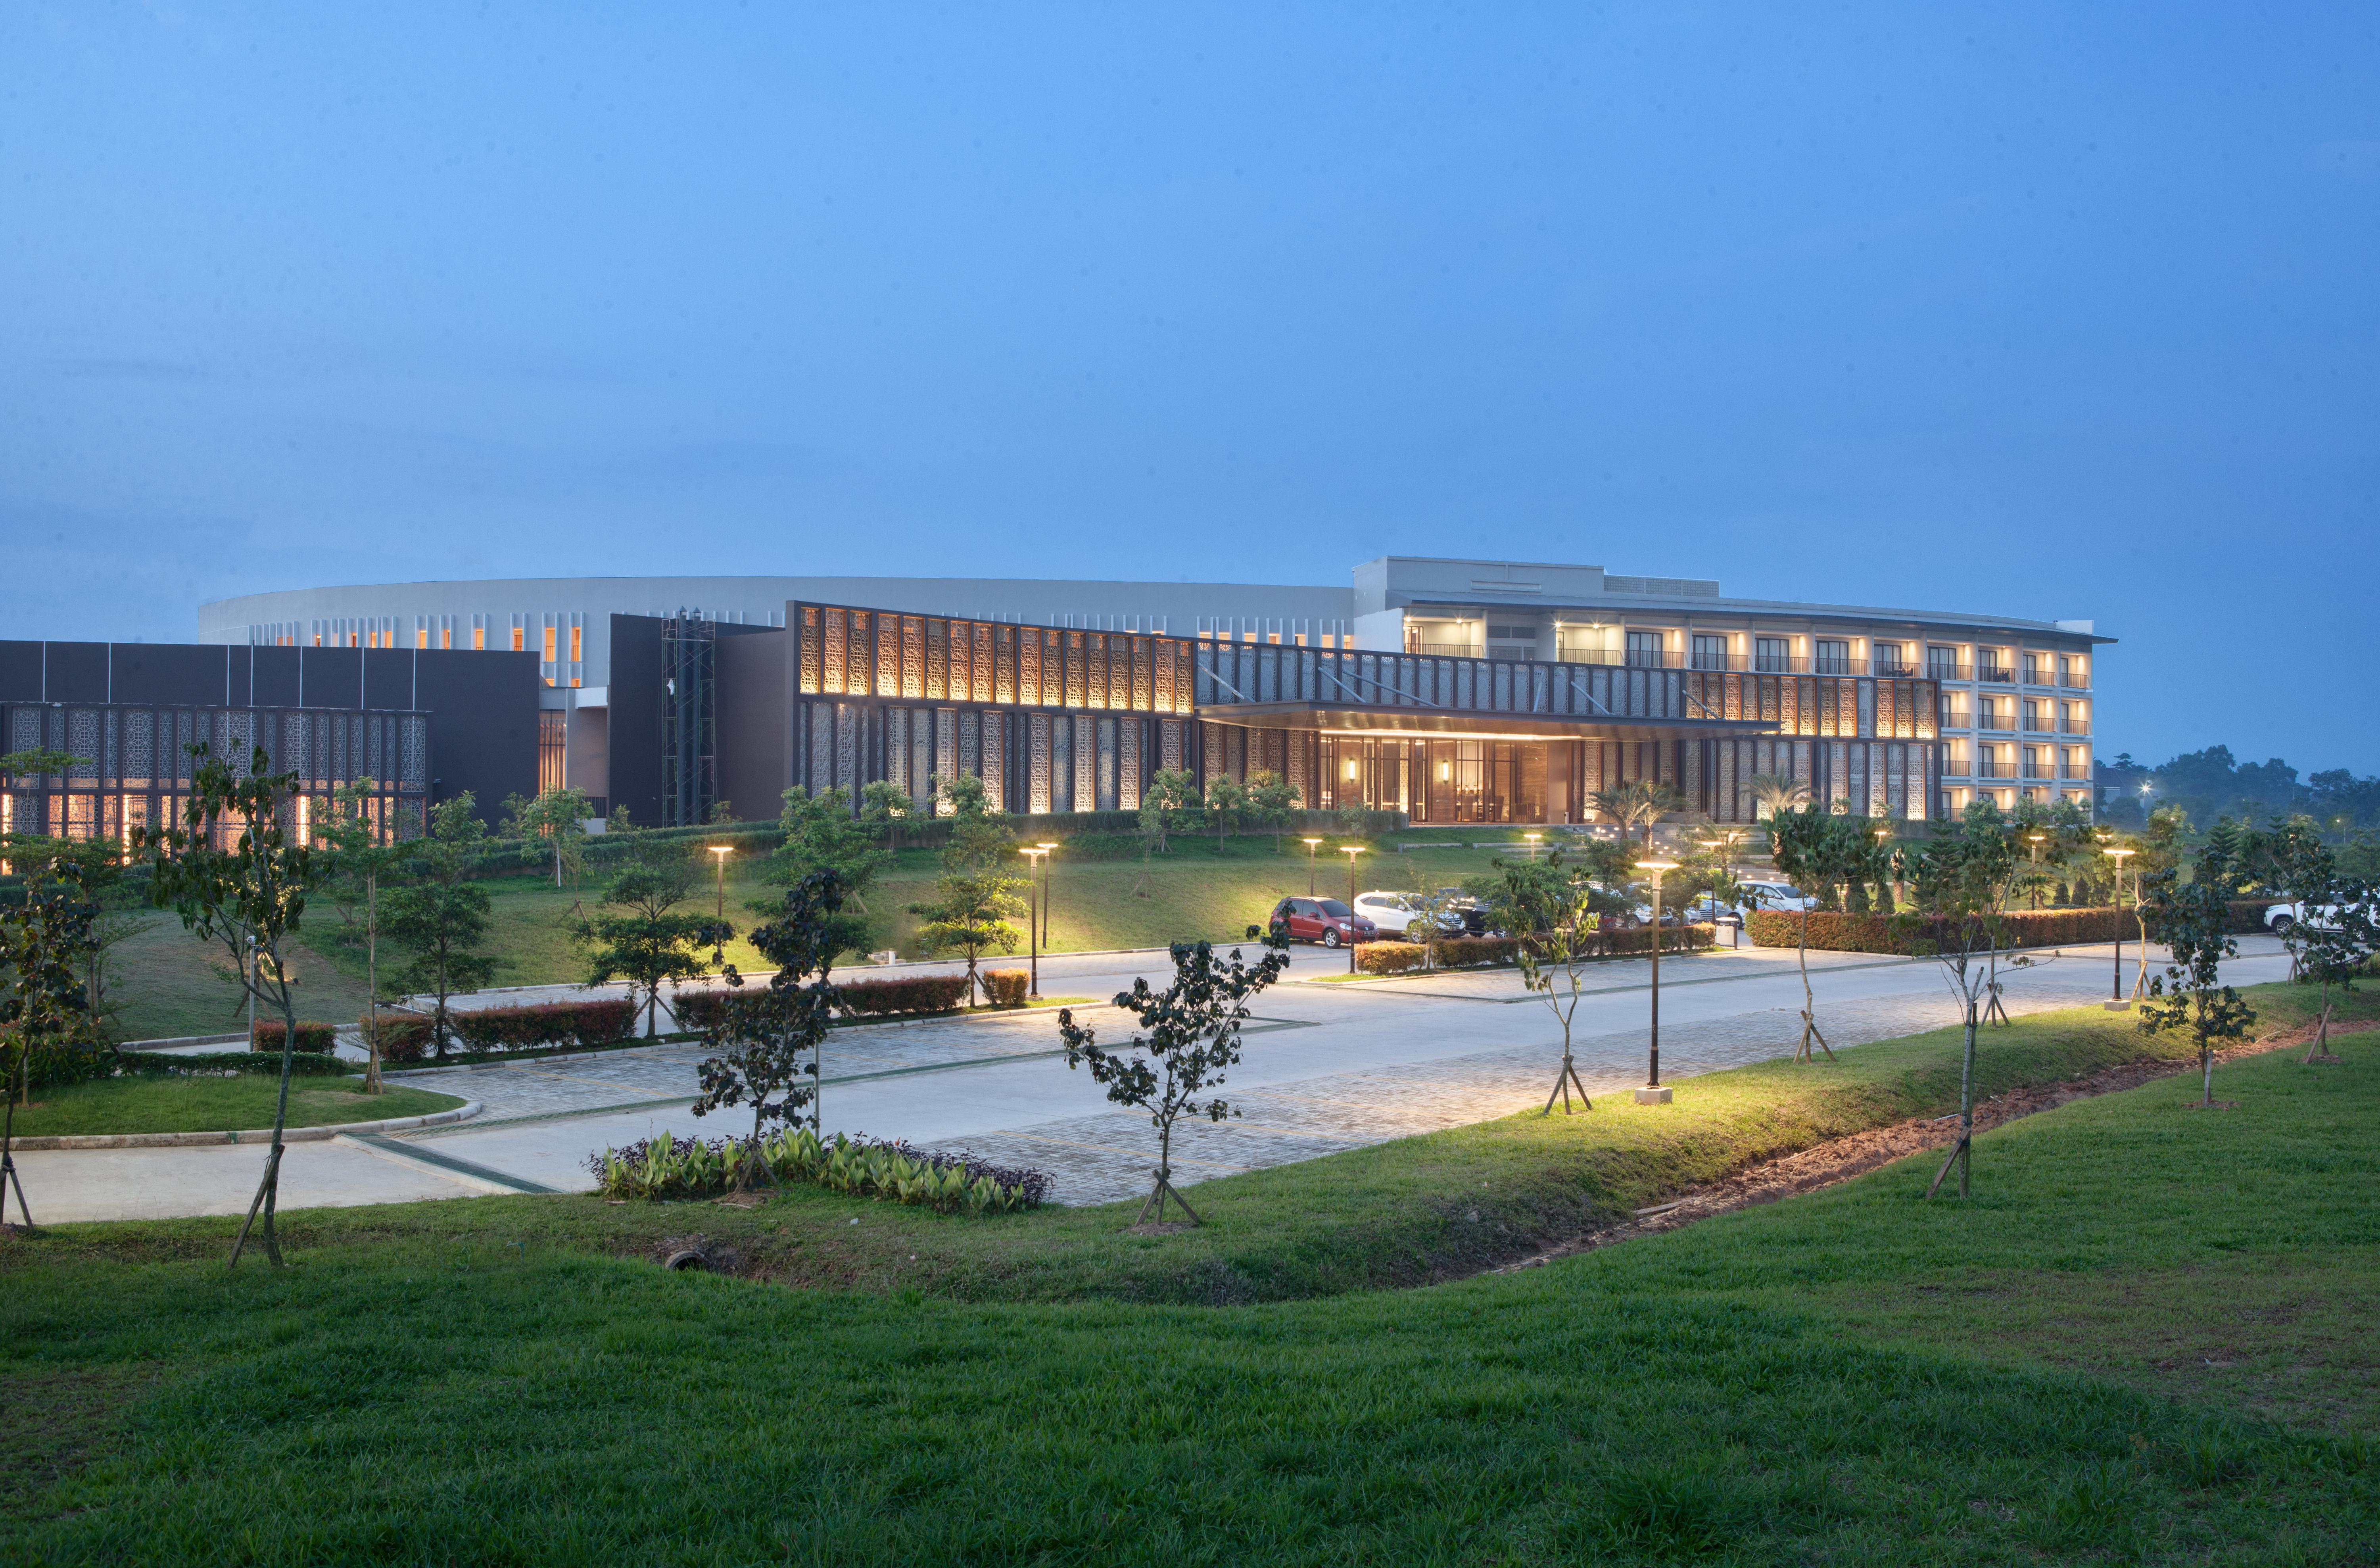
{"x": 755, "y": 760}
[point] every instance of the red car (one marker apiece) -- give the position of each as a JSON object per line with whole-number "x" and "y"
{"x": 1325, "y": 920}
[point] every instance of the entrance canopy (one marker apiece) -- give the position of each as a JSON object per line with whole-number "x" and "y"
{"x": 1363, "y": 721}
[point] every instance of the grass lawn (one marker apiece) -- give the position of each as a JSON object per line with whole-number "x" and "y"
{"x": 207, "y": 1105}
{"x": 165, "y": 985}
{"x": 1852, "y": 1377}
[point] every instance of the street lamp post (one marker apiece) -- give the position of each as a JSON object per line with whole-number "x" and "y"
{"x": 1653, "y": 1093}
{"x": 1533, "y": 845}
{"x": 2036, "y": 839}
{"x": 719, "y": 854}
{"x": 2116, "y": 986}
{"x": 1310, "y": 845}
{"x": 1351, "y": 851}
{"x": 1032, "y": 921}
{"x": 1046, "y": 847}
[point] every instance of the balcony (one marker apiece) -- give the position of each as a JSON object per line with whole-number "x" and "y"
{"x": 1995, "y": 674}
{"x": 1446, "y": 651}
{"x": 2077, "y": 680}
{"x": 2074, "y": 726}
{"x": 2074, "y": 770}
{"x": 2040, "y": 771}
{"x": 1997, "y": 724}
{"x": 1944, "y": 670}
{"x": 1988, "y": 769}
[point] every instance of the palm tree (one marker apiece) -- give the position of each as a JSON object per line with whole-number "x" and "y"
{"x": 1638, "y": 805}
{"x": 1772, "y": 793}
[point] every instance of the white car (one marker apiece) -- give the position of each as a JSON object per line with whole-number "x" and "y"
{"x": 2321, "y": 917}
{"x": 1775, "y": 895}
{"x": 1394, "y": 913}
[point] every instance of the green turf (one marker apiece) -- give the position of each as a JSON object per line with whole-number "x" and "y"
{"x": 1818, "y": 1381}
{"x": 206, "y": 1105}
{"x": 166, "y": 985}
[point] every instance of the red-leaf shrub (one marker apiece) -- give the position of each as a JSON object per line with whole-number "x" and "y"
{"x": 913, "y": 993}
{"x": 1389, "y": 957}
{"x": 403, "y": 1036}
{"x": 699, "y": 1011}
{"x": 1007, "y": 987}
{"x": 551, "y": 1023}
{"x": 311, "y": 1036}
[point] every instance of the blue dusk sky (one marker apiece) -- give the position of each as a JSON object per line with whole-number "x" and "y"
{"x": 2059, "y": 311}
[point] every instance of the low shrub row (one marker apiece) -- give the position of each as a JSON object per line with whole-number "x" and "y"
{"x": 406, "y": 1035}
{"x": 216, "y": 1063}
{"x": 701, "y": 1010}
{"x": 54, "y": 1063}
{"x": 673, "y": 1168}
{"x": 1834, "y": 930}
{"x": 311, "y": 1036}
{"x": 1493, "y": 951}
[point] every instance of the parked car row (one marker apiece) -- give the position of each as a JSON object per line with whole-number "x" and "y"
{"x": 1382, "y": 913}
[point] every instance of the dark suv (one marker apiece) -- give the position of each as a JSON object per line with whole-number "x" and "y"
{"x": 1325, "y": 920}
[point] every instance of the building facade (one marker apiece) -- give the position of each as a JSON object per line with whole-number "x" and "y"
{"x": 1455, "y": 691}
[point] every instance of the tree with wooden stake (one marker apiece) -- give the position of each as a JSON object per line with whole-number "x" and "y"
{"x": 2193, "y": 918}
{"x": 763, "y": 1039}
{"x": 42, "y": 941}
{"x": 2334, "y": 944}
{"x": 1959, "y": 882}
{"x": 558, "y": 815}
{"x": 641, "y": 938}
{"x": 1193, "y": 1037}
{"x": 1807, "y": 844}
{"x": 250, "y": 898}
{"x": 1552, "y": 909}
{"x": 2296, "y": 864}
{"x": 1272, "y": 803}
{"x": 438, "y": 912}
{"x": 357, "y": 856}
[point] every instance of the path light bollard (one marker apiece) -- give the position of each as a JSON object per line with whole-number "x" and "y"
{"x": 2115, "y": 1003}
{"x": 1033, "y": 919}
{"x": 1310, "y": 846}
{"x": 1653, "y": 1093}
{"x": 1046, "y": 847}
{"x": 1351, "y": 851}
{"x": 719, "y": 854}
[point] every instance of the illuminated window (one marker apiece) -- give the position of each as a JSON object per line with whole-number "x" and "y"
{"x": 422, "y": 637}
{"x": 445, "y": 636}
{"x": 576, "y": 632}
{"x": 549, "y": 645}
{"x": 518, "y": 645}
{"x": 479, "y": 639}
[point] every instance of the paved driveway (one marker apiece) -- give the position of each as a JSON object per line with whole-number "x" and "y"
{"x": 1329, "y": 1066}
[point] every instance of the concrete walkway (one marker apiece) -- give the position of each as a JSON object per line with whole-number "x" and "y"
{"x": 1327, "y": 1066}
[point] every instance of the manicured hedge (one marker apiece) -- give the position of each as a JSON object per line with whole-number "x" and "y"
{"x": 913, "y": 993}
{"x": 597, "y": 1022}
{"x": 302, "y": 1064}
{"x": 1832, "y": 930}
{"x": 1463, "y": 953}
{"x": 311, "y": 1036}
{"x": 54, "y": 1063}
{"x": 700, "y": 1011}
{"x": 1007, "y": 986}
{"x": 403, "y": 1036}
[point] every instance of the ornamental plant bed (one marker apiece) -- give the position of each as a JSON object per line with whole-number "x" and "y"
{"x": 670, "y": 1167}
{"x": 1475, "y": 953}
{"x": 1833, "y": 931}
{"x": 227, "y": 1102}
{"x": 312, "y": 1036}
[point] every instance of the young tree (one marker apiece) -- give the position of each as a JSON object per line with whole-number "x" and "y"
{"x": 978, "y": 892}
{"x": 883, "y": 806}
{"x": 1960, "y": 881}
{"x": 822, "y": 836}
{"x": 556, "y": 814}
{"x": 641, "y": 938}
{"x": 359, "y": 857}
{"x": 1809, "y": 847}
{"x": 42, "y": 941}
{"x": 2194, "y": 919}
{"x": 761, "y": 1038}
{"x": 249, "y": 898}
{"x": 1193, "y": 1038}
{"x": 1226, "y": 804}
{"x": 95, "y": 868}
{"x": 1170, "y": 803}
{"x": 439, "y": 914}
{"x": 1272, "y": 803}
{"x": 1550, "y": 906}
{"x": 2294, "y": 863}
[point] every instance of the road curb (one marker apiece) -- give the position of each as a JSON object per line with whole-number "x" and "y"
{"x": 258, "y": 1134}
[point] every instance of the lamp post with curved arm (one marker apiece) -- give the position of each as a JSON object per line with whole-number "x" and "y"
{"x": 1653, "y": 1093}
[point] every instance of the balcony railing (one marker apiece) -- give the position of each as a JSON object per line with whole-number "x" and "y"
{"x": 1996, "y": 675}
{"x": 1448, "y": 650}
{"x": 1998, "y": 724}
{"x": 1993, "y": 771}
{"x": 2074, "y": 726}
{"x": 2073, "y": 770}
{"x": 1739, "y": 664}
{"x": 2040, "y": 771}
{"x": 1943, "y": 670}
{"x": 2078, "y": 680}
